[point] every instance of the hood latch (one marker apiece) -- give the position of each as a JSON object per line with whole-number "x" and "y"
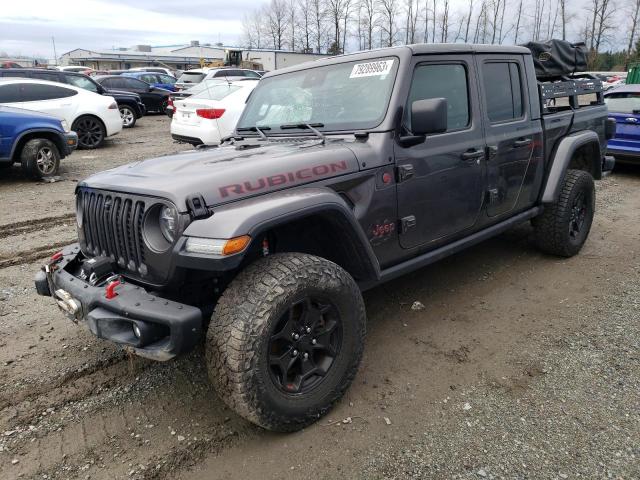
{"x": 197, "y": 208}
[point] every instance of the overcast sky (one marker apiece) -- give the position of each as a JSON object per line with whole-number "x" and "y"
{"x": 26, "y": 27}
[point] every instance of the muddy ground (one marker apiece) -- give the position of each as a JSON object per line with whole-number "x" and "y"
{"x": 520, "y": 366}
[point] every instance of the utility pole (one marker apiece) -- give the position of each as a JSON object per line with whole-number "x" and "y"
{"x": 55, "y": 54}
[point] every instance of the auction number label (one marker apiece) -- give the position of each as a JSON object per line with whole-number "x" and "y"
{"x": 371, "y": 69}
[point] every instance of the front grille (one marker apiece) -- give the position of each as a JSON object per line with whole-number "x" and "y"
{"x": 112, "y": 227}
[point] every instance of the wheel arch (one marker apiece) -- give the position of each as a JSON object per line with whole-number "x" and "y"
{"x": 579, "y": 151}
{"x": 49, "y": 134}
{"x": 306, "y": 220}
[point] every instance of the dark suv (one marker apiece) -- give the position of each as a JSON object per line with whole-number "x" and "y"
{"x": 130, "y": 105}
{"x": 342, "y": 173}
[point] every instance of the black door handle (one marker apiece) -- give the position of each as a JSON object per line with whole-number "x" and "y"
{"x": 472, "y": 154}
{"x": 522, "y": 142}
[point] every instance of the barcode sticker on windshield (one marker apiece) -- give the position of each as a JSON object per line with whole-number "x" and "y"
{"x": 370, "y": 69}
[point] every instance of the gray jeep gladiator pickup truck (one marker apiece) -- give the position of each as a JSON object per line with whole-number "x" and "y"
{"x": 342, "y": 173}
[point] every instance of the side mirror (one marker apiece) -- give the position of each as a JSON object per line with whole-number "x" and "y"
{"x": 429, "y": 116}
{"x": 150, "y": 88}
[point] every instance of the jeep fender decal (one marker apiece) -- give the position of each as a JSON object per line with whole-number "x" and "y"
{"x": 297, "y": 176}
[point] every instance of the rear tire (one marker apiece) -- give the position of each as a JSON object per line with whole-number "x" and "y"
{"x": 564, "y": 225}
{"x": 91, "y": 132}
{"x": 163, "y": 106}
{"x": 285, "y": 340}
{"x": 40, "y": 158}
{"x": 128, "y": 116}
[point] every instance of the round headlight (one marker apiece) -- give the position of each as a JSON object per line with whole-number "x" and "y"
{"x": 168, "y": 223}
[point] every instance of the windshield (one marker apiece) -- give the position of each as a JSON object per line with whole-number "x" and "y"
{"x": 630, "y": 103}
{"x": 216, "y": 91}
{"x": 191, "y": 77}
{"x": 344, "y": 96}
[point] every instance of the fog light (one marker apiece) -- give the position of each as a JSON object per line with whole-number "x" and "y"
{"x": 136, "y": 331}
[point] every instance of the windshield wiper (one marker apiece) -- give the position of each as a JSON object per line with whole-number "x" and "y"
{"x": 309, "y": 126}
{"x": 258, "y": 130}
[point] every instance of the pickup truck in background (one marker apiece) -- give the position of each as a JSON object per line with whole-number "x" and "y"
{"x": 36, "y": 140}
{"x": 341, "y": 174}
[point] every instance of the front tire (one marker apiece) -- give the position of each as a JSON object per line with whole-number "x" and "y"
{"x": 286, "y": 339}
{"x": 91, "y": 132}
{"x": 564, "y": 225}
{"x": 128, "y": 116}
{"x": 40, "y": 158}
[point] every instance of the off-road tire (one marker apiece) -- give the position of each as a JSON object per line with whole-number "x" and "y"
{"x": 243, "y": 322}
{"x": 552, "y": 228}
{"x": 40, "y": 158}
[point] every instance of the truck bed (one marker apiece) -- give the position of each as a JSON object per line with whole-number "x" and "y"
{"x": 571, "y": 104}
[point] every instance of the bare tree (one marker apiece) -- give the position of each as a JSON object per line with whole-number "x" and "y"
{"x": 277, "y": 22}
{"x": 517, "y": 26}
{"x": 306, "y": 25}
{"x": 318, "y": 15}
{"x": 444, "y": 30}
{"x": 369, "y": 17}
{"x": 411, "y": 8}
{"x": 601, "y": 15}
{"x": 468, "y": 21}
{"x": 563, "y": 17}
{"x": 433, "y": 23}
{"x": 632, "y": 34}
{"x": 293, "y": 22}
{"x": 388, "y": 14}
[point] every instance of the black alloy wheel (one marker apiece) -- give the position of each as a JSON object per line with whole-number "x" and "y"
{"x": 304, "y": 344}
{"x": 91, "y": 132}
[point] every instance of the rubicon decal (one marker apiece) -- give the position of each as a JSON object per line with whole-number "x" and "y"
{"x": 297, "y": 176}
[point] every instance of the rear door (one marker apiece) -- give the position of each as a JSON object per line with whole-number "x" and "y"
{"x": 441, "y": 181}
{"x": 52, "y": 99}
{"x": 511, "y": 134}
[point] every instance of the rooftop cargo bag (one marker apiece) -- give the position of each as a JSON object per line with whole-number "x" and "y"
{"x": 555, "y": 58}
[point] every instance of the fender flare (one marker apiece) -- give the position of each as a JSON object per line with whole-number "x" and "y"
{"x": 560, "y": 159}
{"x": 257, "y": 215}
{"x": 60, "y": 143}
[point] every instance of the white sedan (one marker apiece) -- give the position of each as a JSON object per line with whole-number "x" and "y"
{"x": 93, "y": 117}
{"x": 209, "y": 116}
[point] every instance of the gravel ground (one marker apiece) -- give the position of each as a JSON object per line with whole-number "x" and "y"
{"x": 520, "y": 366}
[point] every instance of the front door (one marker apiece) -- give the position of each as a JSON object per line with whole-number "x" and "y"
{"x": 441, "y": 181}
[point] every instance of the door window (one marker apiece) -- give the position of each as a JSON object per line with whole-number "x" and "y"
{"x": 250, "y": 74}
{"x": 10, "y": 93}
{"x": 149, "y": 78}
{"x": 134, "y": 84}
{"x": 447, "y": 81}
{"x": 503, "y": 91}
{"x": 167, "y": 79}
{"x": 33, "y": 92}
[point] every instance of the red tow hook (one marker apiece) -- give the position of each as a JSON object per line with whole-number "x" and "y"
{"x": 55, "y": 257}
{"x": 110, "y": 289}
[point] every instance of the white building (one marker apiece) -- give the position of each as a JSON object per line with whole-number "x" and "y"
{"x": 180, "y": 57}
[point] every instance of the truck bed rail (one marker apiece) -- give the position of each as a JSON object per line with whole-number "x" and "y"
{"x": 570, "y": 89}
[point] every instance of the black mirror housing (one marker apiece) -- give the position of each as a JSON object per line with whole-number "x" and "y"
{"x": 429, "y": 116}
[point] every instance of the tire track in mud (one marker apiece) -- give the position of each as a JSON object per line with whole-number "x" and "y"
{"x": 28, "y": 226}
{"x": 32, "y": 254}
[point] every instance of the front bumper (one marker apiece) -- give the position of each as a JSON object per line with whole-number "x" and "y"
{"x": 166, "y": 328}
{"x": 70, "y": 142}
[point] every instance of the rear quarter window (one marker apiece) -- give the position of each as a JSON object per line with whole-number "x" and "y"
{"x": 10, "y": 93}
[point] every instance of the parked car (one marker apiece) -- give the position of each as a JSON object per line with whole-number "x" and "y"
{"x": 8, "y": 64}
{"x": 93, "y": 117}
{"x": 166, "y": 71}
{"x": 197, "y": 75}
{"x": 155, "y": 99}
{"x": 624, "y": 105}
{"x": 342, "y": 174}
{"x": 212, "y": 114}
{"x": 158, "y": 80}
{"x": 77, "y": 69}
{"x": 197, "y": 88}
{"x": 129, "y": 104}
{"x": 35, "y": 140}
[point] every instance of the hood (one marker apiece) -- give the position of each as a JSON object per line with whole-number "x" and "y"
{"x": 228, "y": 173}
